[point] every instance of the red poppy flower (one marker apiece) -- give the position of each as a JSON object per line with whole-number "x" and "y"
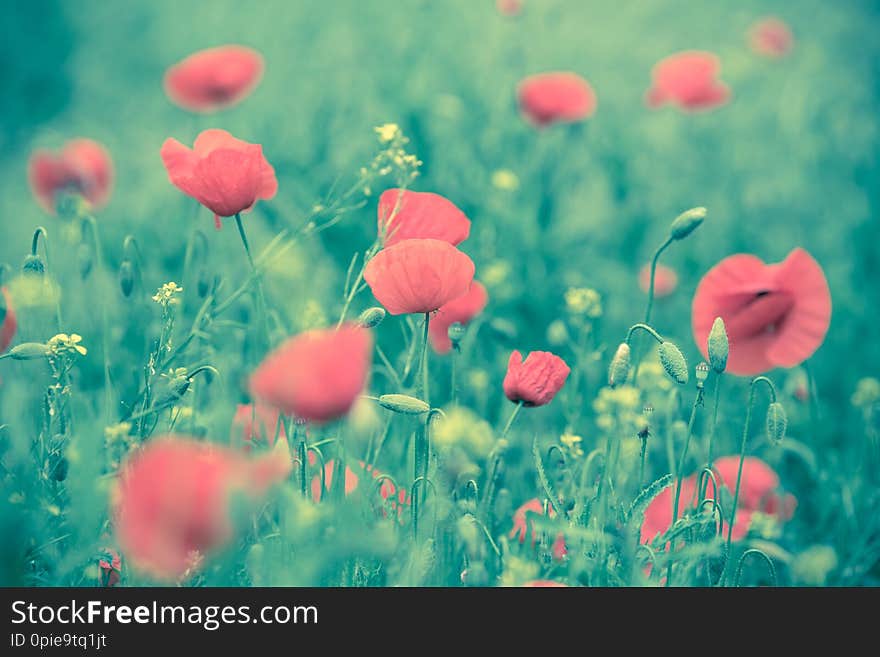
{"x": 557, "y": 97}
{"x": 256, "y": 423}
{"x": 317, "y": 375}
{"x": 172, "y": 502}
{"x": 771, "y": 37}
{"x": 462, "y": 310}
{"x": 418, "y": 275}
{"x": 509, "y": 7}
{"x": 523, "y": 527}
{"x": 82, "y": 167}
{"x": 535, "y": 380}
{"x": 545, "y": 583}
{"x": 9, "y": 323}
{"x": 665, "y": 280}
{"x": 776, "y": 315}
{"x": 689, "y": 80}
{"x": 110, "y": 567}
{"x": 225, "y": 174}
{"x": 758, "y": 493}
{"x": 407, "y": 215}
{"x": 214, "y": 78}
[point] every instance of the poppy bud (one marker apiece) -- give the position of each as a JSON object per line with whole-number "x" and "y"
{"x": 456, "y": 333}
{"x": 620, "y": 364}
{"x": 718, "y": 346}
{"x": 777, "y": 421}
{"x": 673, "y": 362}
{"x": 404, "y": 404}
{"x": 29, "y": 351}
{"x": 372, "y": 317}
{"x": 126, "y": 277}
{"x": 84, "y": 259}
{"x": 59, "y": 468}
{"x": 702, "y": 372}
{"x": 686, "y": 223}
{"x": 33, "y": 264}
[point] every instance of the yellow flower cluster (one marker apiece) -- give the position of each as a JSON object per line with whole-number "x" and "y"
{"x": 461, "y": 427}
{"x": 165, "y": 295}
{"x": 620, "y": 407}
{"x": 67, "y": 344}
{"x": 583, "y": 301}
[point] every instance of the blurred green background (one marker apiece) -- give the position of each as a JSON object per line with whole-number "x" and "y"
{"x": 793, "y": 160}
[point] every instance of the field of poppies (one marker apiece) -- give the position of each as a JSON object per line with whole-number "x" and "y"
{"x": 514, "y": 293}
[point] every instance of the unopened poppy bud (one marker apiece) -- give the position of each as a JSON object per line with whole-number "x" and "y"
{"x": 456, "y": 333}
{"x": 126, "y": 277}
{"x": 33, "y": 264}
{"x": 29, "y": 351}
{"x": 777, "y": 421}
{"x": 59, "y": 468}
{"x": 673, "y": 362}
{"x": 718, "y": 346}
{"x": 702, "y": 373}
{"x": 686, "y": 223}
{"x": 620, "y": 364}
{"x": 372, "y": 317}
{"x": 84, "y": 259}
{"x": 404, "y": 404}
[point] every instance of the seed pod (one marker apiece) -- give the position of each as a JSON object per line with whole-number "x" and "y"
{"x": 718, "y": 346}
{"x": 674, "y": 363}
{"x": 404, "y": 404}
{"x": 686, "y": 223}
{"x": 372, "y": 317}
{"x": 29, "y": 351}
{"x": 702, "y": 373}
{"x": 777, "y": 421}
{"x": 33, "y": 264}
{"x": 455, "y": 333}
{"x": 620, "y": 364}
{"x": 84, "y": 259}
{"x": 126, "y": 277}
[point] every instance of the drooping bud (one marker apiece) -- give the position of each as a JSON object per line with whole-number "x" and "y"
{"x": 126, "y": 277}
{"x": 203, "y": 283}
{"x": 673, "y": 362}
{"x": 404, "y": 404}
{"x": 456, "y": 333}
{"x": 33, "y": 264}
{"x": 29, "y": 351}
{"x": 686, "y": 223}
{"x": 718, "y": 346}
{"x": 777, "y": 421}
{"x": 84, "y": 259}
{"x": 620, "y": 364}
{"x": 372, "y": 317}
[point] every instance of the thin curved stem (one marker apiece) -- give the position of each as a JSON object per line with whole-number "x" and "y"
{"x": 105, "y": 324}
{"x": 654, "y": 260}
{"x": 715, "y": 402}
{"x": 258, "y": 279}
{"x": 512, "y": 417}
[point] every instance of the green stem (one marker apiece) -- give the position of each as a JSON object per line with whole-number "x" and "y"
{"x": 742, "y": 458}
{"x": 654, "y": 260}
{"x": 258, "y": 279}
{"x": 512, "y": 417}
{"x": 355, "y": 287}
{"x": 698, "y": 401}
{"x": 420, "y": 447}
{"x": 643, "y": 450}
{"x": 453, "y": 379}
{"x": 710, "y": 457}
{"x": 423, "y": 365}
{"x": 498, "y": 455}
{"x": 105, "y": 324}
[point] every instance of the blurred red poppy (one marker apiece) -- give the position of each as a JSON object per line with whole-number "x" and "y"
{"x": 545, "y": 583}
{"x": 172, "y": 501}
{"x": 771, "y": 37}
{"x": 82, "y": 167}
{"x": 214, "y": 78}
{"x": 759, "y": 492}
{"x": 225, "y": 174}
{"x": 523, "y": 527}
{"x": 9, "y": 323}
{"x": 317, "y": 375}
{"x": 535, "y": 380}
{"x": 665, "y": 280}
{"x": 509, "y": 7}
{"x": 404, "y": 214}
{"x": 256, "y": 423}
{"x": 689, "y": 80}
{"x": 396, "y": 498}
{"x": 418, "y": 275}
{"x": 462, "y": 310}
{"x": 775, "y": 315}
{"x": 556, "y": 97}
